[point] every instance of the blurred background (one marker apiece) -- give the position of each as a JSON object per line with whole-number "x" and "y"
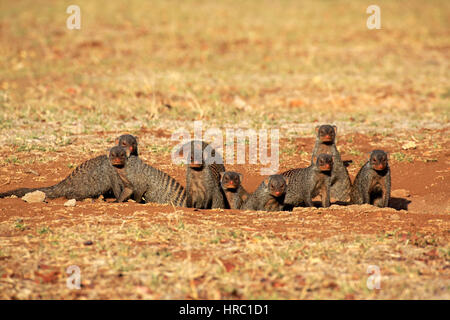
{"x": 137, "y": 64}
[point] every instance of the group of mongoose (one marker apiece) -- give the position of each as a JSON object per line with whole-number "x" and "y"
{"x": 124, "y": 175}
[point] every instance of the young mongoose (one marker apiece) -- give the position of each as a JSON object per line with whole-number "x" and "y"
{"x": 235, "y": 194}
{"x": 306, "y": 183}
{"x": 203, "y": 168}
{"x": 269, "y": 196}
{"x": 373, "y": 182}
{"x": 145, "y": 181}
{"x": 90, "y": 179}
{"x": 326, "y": 143}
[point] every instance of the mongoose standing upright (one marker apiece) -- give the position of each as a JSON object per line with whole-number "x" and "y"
{"x": 203, "y": 170}
{"x": 235, "y": 194}
{"x": 373, "y": 182}
{"x": 145, "y": 181}
{"x": 90, "y": 179}
{"x": 306, "y": 183}
{"x": 269, "y": 196}
{"x": 325, "y": 143}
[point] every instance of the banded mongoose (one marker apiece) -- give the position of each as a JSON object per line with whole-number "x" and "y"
{"x": 128, "y": 141}
{"x": 235, "y": 194}
{"x": 145, "y": 181}
{"x": 326, "y": 143}
{"x": 269, "y": 196}
{"x": 372, "y": 184}
{"x": 203, "y": 168}
{"x": 90, "y": 179}
{"x": 306, "y": 183}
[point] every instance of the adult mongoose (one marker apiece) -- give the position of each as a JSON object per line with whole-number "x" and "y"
{"x": 144, "y": 181}
{"x": 326, "y": 143}
{"x": 306, "y": 183}
{"x": 90, "y": 179}
{"x": 372, "y": 184}
{"x": 203, "y": 168}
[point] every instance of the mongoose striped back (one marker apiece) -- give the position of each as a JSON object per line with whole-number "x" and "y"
{"x": 291, "y": 173}
{"x": 153, "y": 184}
{"x": 306, "y": 183}
{"x": 216, "y": 169}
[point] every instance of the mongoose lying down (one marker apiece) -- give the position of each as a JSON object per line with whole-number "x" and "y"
{"x": 90, "y": 179}
{"x": 144, "y": 181}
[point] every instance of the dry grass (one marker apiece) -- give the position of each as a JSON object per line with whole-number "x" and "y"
{"x": 137, "y": 66}
{"x": 146, "y": 63}
{"x": 171, "y": 254}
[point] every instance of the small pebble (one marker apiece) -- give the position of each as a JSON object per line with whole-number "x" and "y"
{"x": 32, "y": 197}
{"x": 70, "y": 203}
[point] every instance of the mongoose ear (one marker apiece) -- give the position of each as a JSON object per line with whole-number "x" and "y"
{"x": 240, "y": 177}
{"x": 335, "y": 129}
{"x": 137, "y": 139}
{"x": 287, "y": 180}
{"x": 116, "y": 142}
{"x": 316, "y": 129}
{"x": 179, "y": 153}
{"x": 387, "y": 156}
{"x": 266, "y": 181}
{"x": 314, "y": 159}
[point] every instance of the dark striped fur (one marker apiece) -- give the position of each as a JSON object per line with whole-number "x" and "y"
{"x": 90, "y": 179}
{"x": 265, "y": 197}
{"x": 152, "y": 185}
{"x": 203, "y": 188}
{"x": 306, "y": 183}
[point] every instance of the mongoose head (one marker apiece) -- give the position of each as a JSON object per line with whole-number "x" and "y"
{"x": 378, "y": 160}
{"x": 129, "y": 142}
{"x": 326, "y": 133}
{"x": 276, "y": 184}
{"x": 324, "y": 162}
{"x": 197, "y": 154}
{"x": 118, "y": 156}
{"x": 230, "y": 180}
